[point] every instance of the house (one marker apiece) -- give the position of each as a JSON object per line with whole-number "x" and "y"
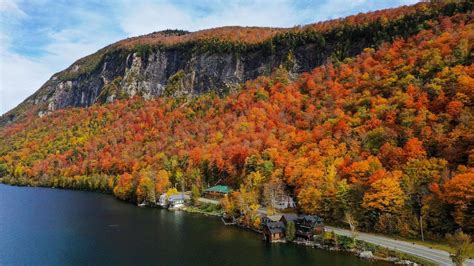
{"x": 217, "y": 192}
{"x": 288, "y": 217}
{"x": 177, "y": 201}
{"x": 284, "y": 202}
{"x": 274, "y": 231}
{"x": 307, "y": 226}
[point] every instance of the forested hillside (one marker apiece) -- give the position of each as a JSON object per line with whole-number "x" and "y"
{"x": 386, "y": 136}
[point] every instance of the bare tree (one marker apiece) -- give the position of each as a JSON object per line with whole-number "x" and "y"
{"x": 352, "y": 222}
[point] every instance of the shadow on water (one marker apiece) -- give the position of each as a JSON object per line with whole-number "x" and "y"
{"x": 41, "y": 226}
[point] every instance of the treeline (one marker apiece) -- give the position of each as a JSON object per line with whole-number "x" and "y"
{"x": 385, "y": 137}
{"x": 341, "y": 38}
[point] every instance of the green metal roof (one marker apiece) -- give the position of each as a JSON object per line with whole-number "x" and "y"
{"x": 219, "y": 189}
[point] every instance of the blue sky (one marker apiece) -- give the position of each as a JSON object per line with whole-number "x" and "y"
{"x": 41, "y": 37}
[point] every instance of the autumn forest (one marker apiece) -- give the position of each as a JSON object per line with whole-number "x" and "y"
{"x": 386, "y": 136}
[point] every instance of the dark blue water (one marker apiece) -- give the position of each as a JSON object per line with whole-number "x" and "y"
{"x": 40, "y": 226}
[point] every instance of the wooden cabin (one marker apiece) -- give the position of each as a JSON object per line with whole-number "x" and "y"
{"x": 307, "y": 226}
{"x": 274, "y": 231}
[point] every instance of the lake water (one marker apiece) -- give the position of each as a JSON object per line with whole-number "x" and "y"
{"x": 41, "y": 226}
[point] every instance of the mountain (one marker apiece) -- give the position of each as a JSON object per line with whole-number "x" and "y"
{"x": 385, "y": 135}
{"x": 181, "y": 63}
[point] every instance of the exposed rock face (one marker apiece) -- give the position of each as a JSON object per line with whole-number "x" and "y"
{"x": 170, "y": 71}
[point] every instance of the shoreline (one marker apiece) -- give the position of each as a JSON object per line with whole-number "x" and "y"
{"x": 401, "y": 258}
{"x": 393, "y": 256}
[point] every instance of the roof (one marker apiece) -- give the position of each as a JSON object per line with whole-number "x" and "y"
{"x": 275, "y": 217}
{"x": 290, "y": 216}
{"x": 179, "y": 196}
{"x": 219, "y": 189}
{"x": 311, "y": 219}
{"x": 275, "y": 227}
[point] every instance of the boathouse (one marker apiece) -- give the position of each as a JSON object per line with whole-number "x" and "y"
{"x": 274, "y": 231}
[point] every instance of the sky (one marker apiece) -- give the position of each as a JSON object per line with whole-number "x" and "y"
{"x": 41, "y": 37}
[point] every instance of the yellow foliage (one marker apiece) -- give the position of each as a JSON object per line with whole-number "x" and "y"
{"x": 172, "y": 191}
{"x": 384, "y": 195}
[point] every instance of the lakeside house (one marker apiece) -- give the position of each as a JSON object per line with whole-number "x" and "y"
{"x": 177, "y": 200}
{"x": 217, "y": 192}
{"x": 274, "y": 231}
{"x": 173, "y": 201}
{"x": 307, "y": 226}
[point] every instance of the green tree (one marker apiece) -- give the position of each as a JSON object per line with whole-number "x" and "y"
{"x": 290, "y": 231}
{"x": 195, "y": 194}
{"x": 3, "y": 169}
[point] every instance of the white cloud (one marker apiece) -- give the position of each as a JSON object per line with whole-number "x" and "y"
{"x": 10, "y": 7}
{"x": 21, "y": 75}
{"x": 19, "y": 78}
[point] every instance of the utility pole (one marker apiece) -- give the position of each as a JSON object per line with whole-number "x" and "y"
{"x": 421, "y": 217}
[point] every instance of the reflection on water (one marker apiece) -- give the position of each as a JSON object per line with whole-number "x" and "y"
{"x": 41, "y": 226}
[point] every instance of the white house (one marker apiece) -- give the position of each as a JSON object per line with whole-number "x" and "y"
{"x": 284, "y": 202}
{"x": 177, "y": 200}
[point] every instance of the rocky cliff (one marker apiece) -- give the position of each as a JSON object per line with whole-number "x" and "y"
{"x": 179, "y": 63}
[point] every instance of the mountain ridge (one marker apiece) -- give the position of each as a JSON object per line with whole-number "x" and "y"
{"x": 184, "y": 64}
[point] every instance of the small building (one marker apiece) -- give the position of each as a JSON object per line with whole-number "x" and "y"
{"x": 284, "y": 202}
{"x": 274, "y": 231}
{"x": 174, "y": 201}
{"x": 217, "y": 192}
{"x": 307, "y": 226}
{"x": 177, "y": 200}
{"x": 288, "y": 217}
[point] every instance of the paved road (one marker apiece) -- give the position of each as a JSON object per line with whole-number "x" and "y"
{"x": 437, "y": 256}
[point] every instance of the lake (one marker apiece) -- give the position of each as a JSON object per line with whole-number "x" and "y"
{"x": 41, "y": 226}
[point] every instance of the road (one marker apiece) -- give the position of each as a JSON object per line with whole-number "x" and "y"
{"x": 437, "y": 256}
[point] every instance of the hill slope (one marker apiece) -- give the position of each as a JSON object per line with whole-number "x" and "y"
{"x": 386, "y": 136}
{"x": 181, "y": 63}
